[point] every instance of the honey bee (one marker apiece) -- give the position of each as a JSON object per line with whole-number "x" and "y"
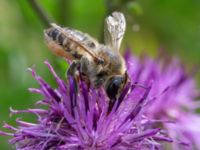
{"x": 100, "y": 64}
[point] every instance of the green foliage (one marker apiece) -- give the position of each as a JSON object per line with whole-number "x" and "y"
{"x": 172, "y": 25}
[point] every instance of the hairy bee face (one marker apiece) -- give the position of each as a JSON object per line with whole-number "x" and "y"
{"x": 111, "y": 65}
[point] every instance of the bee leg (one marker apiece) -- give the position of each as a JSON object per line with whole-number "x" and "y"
{"x": 84, "y": 70}
{"x": 73, "y": 71}
{"x": 73, "y": 68}
{"x": 86, "y": 79}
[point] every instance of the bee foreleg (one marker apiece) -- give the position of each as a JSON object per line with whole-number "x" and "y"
{"x": 73, "y": 68}
{"x": 85, "y": 63}
{"x": 73, "y": 71}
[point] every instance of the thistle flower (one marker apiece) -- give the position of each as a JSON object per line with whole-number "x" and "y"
{"x": 176, "y": 102}
{"x": 82, "y": 120}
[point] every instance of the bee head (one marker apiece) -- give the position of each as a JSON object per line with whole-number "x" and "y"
{"x": 114, "y": 85}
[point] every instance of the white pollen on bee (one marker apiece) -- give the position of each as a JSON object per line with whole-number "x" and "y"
{"x": 71, "y": 45}
{"x": 79, "y": 36}
{"x": 65, "y": 41}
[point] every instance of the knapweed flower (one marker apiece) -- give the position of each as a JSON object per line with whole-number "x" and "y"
{"x": 80, "y": 119}
{"x": 173, "y": 98}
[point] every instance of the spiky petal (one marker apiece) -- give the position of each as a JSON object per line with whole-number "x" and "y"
{"x": 173, "y": 97}
{"x": 83, "y": 121}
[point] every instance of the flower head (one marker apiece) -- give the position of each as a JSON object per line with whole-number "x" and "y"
{"x": 82, "y": 119}
{"x": 172, "y": 97}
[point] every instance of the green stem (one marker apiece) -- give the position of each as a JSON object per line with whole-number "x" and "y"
{"x": 40, "y": 12}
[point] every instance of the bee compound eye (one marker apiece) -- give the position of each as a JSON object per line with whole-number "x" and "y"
{"x": 114, "y": 86}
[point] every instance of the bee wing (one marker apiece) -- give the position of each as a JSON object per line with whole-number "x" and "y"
{"x": 114, "y": 30}
{"x": 79, "y": 41}
{"x": 83, "y": 38}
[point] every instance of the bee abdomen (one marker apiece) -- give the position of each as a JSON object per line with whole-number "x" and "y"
{"x": 56, "y": 36}
{"x": 67, "y": 44}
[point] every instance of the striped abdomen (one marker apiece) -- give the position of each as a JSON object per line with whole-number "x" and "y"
{"x": 69, "y": 41}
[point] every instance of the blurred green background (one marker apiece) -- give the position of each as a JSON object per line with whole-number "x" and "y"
{"x": 152, "y": 24}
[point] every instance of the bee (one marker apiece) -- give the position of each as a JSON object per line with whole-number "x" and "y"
{"x": 100, "y": 64}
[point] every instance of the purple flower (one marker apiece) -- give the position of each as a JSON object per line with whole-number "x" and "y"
{"x": 83, "y": 121}
{"x": 172, "y": 98}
